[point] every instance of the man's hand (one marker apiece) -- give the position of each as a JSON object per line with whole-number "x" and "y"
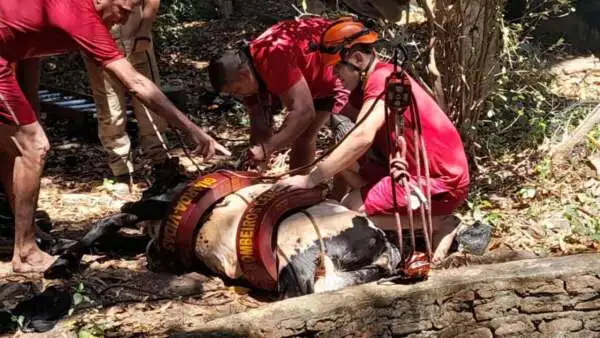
{"x": 300, "y": 181}
{"x": 149, "y": 94}
{"x": 308, "y": 181}
{"x": 257, "y": 157}
{"x": 204, "y": 144}
{"x": 257, "y": 153}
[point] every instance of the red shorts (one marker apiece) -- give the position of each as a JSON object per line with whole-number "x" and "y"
{"x": 14, "y": 107}
{"x": 378, "y": 199}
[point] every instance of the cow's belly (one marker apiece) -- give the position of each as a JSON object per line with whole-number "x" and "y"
{"x": 300, "y": 231}
{"x": 216, "y": 239}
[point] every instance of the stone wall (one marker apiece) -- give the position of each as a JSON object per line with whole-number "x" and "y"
{"x": 535, "y": 298}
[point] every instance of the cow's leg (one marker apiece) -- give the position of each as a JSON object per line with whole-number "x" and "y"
{"x": 154, "y": 207}
{"x": 343, "y": 279}
{"x": 444, "y": 226}
{"x": 145, "y": 210}
{"x": 444, "y": 231}
{"x": 383, "y": 266}
{"x": 69, "y": 261}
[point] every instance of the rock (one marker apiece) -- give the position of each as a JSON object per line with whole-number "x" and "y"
{"x": 583, "y": 284}
{"x": 537, "y": 287}
{"x": 465, "y": 332}
{"x": 400, "y": 327}
{"x": 589, "y": 305}
{"x": 508, "y": 299}
{"x": 593, "y": 323}
{"x": 561, "y": 325}
{"x": 520, "y": 327}
{"x": 584, "y": 334}
{"x": 542, "y": 304}
{"x": 447, "y": 318}
{"x": 496, "y": 307}
{"x": 465, "y": 296}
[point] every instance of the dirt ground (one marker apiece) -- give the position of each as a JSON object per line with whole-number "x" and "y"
{"x": 119, "y": 297}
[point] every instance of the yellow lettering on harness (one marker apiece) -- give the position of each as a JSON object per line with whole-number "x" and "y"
{"x": 250, "y": 217}
{"x": 175, "y": 218}
{"x": 246, "y": 250}
{"x": 246, "y": 233}
{"x": 248, "y": 224}
{"x": 187, "y": 198}
{"x": 170, "y": 233}
{"x": 246, "y": 242}
{"x": 183, "y": 204}
{"x": 206, "y": 182}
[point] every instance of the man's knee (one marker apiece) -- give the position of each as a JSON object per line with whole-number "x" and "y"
{"x": 309, "y": 137}
{"x": 354, "y": 201}
{"x": 33, "y": 141}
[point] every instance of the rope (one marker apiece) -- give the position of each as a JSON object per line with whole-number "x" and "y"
{"x": 147, "y": 112}
{"x": 323, "y": 249}
{"x": 398, "y": 85}
{"x": 320, "y": 270}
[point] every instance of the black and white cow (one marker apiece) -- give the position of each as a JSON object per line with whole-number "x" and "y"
{"x": 356, "y": 251}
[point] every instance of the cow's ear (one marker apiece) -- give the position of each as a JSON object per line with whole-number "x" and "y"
{"x": 360, "y": 221}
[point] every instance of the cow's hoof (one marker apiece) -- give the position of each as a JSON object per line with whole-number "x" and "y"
{"x": 42, "y": 312}
{"x": 64, "y": 266}
{"x": 43, "y": 221}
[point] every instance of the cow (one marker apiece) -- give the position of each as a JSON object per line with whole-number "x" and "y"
{"x": 320, "y": 247}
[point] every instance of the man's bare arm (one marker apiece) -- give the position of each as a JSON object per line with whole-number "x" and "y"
{"x": 260, "y": 124}
{"x": 149, "y": 94}
{"x": 355, "y": 145}
{"x": 149, "y": 12}
{"x": 301, "y": 112}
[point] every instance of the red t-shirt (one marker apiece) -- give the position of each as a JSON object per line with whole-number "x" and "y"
{"x": 447, "y": 159}
{"x": 34, "y": 28}
{"x": 282, "y": 55}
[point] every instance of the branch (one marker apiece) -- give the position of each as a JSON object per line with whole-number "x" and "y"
{"x": 559, "y": 152}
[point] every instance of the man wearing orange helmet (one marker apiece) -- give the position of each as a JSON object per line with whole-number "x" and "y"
{"x": 347, "y": 45}
{"x": 281, "y": 67}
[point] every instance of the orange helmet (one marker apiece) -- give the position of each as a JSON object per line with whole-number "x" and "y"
{"x": 341, "y": 35}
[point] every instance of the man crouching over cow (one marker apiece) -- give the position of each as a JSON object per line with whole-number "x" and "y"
{"x": 278, "y": 68}
{"x": 348, "y": 47}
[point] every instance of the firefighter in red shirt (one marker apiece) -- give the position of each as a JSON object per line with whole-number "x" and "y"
{"x": 347, "y": 46}
{"x": 35, "y": 28}
{"x": 280, "y": 67}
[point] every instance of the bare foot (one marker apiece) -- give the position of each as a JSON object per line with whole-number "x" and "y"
{"x": 35, "y": 260}
{"x": 447, "y": 234}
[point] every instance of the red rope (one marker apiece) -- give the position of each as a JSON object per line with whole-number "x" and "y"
{"x": 417, "y": 264}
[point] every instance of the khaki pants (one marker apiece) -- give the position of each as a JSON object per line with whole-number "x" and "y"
{"x": 109, "y": 95}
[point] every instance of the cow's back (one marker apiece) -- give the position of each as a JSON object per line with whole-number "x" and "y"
{"x": 215, "y": 241}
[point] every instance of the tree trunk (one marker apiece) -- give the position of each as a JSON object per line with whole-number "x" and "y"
{"x": 226, "y": 8}
{"x": 467, "y": 46}
{"x": 559, "y": 152}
